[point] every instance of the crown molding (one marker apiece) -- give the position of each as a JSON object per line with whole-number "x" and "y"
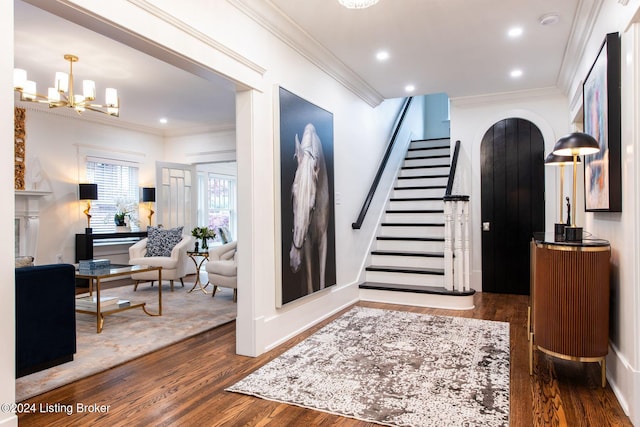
{"x": 495, "y": 98}
{"x": 267, "y": 15}
{"x": 201, "y": 129}
{"x": 581, "y": 30}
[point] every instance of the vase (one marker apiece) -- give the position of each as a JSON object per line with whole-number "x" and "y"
{"x": 204, "y": 244}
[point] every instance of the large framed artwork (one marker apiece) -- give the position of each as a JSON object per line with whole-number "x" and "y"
{"x": 601, "y": 108}
{"x": 304, "y": 134}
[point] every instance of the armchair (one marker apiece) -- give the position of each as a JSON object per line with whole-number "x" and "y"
{"x": 173, "y": 266}
{"x": 222, "y": 268}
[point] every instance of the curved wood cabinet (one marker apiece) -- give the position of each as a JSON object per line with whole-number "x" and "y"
{"x": 569, "y": 312}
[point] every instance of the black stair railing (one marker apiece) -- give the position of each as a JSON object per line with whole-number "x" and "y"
{"x": 452, "y": 169}
{"x": 376, "y": 180}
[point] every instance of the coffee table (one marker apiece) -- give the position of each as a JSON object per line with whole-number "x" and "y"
{"x": 96, "y": 276}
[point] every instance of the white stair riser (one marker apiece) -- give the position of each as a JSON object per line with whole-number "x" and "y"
{"x": 429, "y": 192}
{"x": 407, "y": 261}
{"x": 421, "y": 182}
{"x": 417, "y": 204}
{"x": 408, "y": 245}
{"x": 444, "y": 170}
{"x": 445, "y": 151}
{"x": 426, "y": 162}
{"x": 405, "y": 278}
{"x": 411, "y": 231}
{"x": 411, "y": 217}
{"x": 427, "y": 144}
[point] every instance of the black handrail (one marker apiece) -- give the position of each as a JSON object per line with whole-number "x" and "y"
{"x": 374, "y": 185}
{"x": 452, "y": 170}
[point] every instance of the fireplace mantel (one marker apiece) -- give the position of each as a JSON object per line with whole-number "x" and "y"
{"x": 27, "y": 218}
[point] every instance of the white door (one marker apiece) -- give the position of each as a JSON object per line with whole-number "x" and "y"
{"x": 177, "y": 200}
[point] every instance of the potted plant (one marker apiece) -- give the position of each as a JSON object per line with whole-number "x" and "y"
{"x": 203, "y": 233}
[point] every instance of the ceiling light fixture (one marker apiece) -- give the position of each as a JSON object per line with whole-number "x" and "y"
{"x": 549, "y": 19}
{"x": 516, "y": 73}
{"x": 515, "y": 32}
{"x": 357, "y": 4}
{"x": 62, "y": 94}
{"x": 383, "y": 55}
{"x": 409, "y": 88}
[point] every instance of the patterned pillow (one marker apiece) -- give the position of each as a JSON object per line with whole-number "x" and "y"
{"x": 160, "y": 242}
{"x": 24, "y": 261}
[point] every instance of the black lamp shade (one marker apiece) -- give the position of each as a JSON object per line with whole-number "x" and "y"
{"x": 577, "y": 143}
{"x": 148, "y": 194}
{"x": 555, "y": 160}
{"x": 88, "y": 191}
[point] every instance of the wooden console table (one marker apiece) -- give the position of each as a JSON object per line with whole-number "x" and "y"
{"x": 569, "y": 302}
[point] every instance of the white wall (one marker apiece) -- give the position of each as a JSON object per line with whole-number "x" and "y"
{"x": 621, "y": 229}
{"x": 59, "y": 144}
{"x": 203, "y": 147}
{"x": 472, "y": 117}
{"x": 7, "y": 278}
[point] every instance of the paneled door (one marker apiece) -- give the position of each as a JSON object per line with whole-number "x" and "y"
{"x": 512, "y": 173}
{"x": 176, "y": 199}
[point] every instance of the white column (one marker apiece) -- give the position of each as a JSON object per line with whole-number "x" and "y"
{"x": 448, "y": 254}
{"x": 459, "y": 266}
{"x": 465, "y": 246}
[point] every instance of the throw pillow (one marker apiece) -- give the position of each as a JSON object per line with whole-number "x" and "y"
{"x": 224, "y": 234}
{"x": 161, "y": 241}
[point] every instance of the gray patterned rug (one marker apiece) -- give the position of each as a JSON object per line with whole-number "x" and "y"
{"x": 395, "y": 368}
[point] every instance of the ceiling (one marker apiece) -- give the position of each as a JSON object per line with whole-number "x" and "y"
{"x": 459, "y": 47}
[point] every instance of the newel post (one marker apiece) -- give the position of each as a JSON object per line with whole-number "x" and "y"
{"x": 448, "y": 252}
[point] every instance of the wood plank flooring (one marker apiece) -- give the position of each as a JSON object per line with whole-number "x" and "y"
{"x": 183, "y": 385}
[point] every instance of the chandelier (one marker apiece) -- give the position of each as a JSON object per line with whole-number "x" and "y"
{"x": 357, "y": 4}
{"x": 63, "y": 95}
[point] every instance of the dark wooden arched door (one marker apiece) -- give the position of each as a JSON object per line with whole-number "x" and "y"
{"x": 512, "y": 173}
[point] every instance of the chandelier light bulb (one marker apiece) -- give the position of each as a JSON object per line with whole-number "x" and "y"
{"x": 89, "y": 89}
{"x": 29, "y": 90}
{"x": 62, "y": 81}
{"x": 19, "y": 78}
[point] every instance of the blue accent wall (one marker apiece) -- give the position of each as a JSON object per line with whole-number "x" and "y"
{"x": 436, "y": 119}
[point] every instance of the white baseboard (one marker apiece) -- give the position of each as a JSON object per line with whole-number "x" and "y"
{"x": 11, "y": 420}
{"x": 625, "y": 383}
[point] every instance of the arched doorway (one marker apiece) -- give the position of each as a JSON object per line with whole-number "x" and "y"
{"x": 512, "y": 194}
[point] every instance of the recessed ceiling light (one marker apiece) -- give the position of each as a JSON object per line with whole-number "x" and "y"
{"x": 383, "y": 55}
{"x": 549, "y": 19}
{"x": 409, "y": 88}
{"x": 515, "y": 32}
{"x": 516, "y": 73}
{"x": 163, "y": 121}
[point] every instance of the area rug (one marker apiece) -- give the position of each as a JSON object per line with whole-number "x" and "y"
{"x": 132, "y": 333}
{"x": 395, "y": 368}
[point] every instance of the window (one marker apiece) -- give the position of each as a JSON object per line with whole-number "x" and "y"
{"x": 221, "y": 202}
{"x": 117, "y": 190}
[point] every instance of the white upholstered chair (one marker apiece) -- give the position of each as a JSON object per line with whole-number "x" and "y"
{"x": 173, "y": 266}
{"x": 222, "y": 268}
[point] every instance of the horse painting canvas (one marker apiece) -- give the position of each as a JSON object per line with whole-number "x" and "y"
{"x": 307, "y": 215}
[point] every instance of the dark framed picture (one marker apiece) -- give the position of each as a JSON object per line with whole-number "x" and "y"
{"x": 304, "y": 133}
{"x": 601, "y": 108}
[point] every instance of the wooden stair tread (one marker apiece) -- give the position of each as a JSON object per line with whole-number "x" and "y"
{"x": 413, "y": 270}
{"x": 409, "y": 253}
{"x": 412, "y": 239}
{"x": 436, "y": 290}
{"x": 421, "y": 187}
{"x": 417, "y": 211}
{"x": 412, "y": 224}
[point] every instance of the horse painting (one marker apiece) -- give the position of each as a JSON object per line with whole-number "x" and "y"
{"x": 310, "y": 202}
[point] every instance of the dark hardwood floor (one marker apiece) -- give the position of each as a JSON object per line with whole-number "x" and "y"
{"x": 183, "y": 385}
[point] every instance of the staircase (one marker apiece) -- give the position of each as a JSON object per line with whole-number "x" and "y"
{"x": 407, "y": 264}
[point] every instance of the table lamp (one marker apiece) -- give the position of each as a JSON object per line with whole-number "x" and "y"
{"x": 149, "y": 196}
{"x": 88, "y": 192}
{"x": 574, "y": 145}
{"x": 555, "y": 160}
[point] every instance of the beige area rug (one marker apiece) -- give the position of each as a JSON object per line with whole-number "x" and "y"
{"x": 132, "y": 333}
{"x": 395, "y": 368}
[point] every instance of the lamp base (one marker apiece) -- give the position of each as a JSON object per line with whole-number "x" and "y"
{"x": 559, "y": 232}
{"x": 573, "y": 234}
{"x": 88, "y": 230}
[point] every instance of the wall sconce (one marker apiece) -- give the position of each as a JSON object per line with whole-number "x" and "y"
{"x": 149, "y": 196}
{"x": 555, "y": 160}
{"x": 574, "y": 145}
{"x": 88, "y": 192}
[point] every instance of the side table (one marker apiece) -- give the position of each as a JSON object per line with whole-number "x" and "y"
{"x": 204, "y": 256}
